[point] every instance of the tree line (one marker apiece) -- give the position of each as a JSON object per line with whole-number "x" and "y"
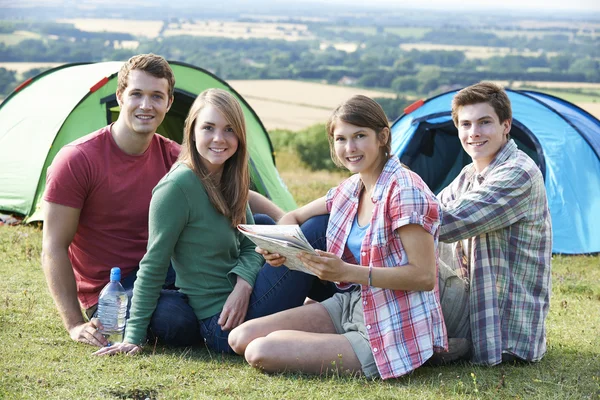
{"x": 378, "y": 63}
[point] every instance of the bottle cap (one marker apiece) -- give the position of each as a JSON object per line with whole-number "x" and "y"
{"x": 115, "y": 274}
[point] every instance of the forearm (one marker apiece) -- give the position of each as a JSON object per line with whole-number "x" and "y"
{"x": 61, "y": 283}
{"x": 501, "y": 201}
{"x": 259, "y": 204}
{"x": 302, "y": 214}
{"x": 406, "y": 277}
{"x": 463, "y": 223}
{"x": 289, "y": 218}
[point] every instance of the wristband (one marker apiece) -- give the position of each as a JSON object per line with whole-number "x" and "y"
{"x": 370, "y": 281}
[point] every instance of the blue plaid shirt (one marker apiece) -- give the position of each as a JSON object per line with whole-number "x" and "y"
{"x": 507, "y": 223}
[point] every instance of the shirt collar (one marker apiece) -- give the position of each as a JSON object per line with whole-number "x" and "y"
{"x": 382, "y": 181}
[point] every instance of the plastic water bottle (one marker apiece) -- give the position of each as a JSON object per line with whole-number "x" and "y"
{"x": 112, "y": 308}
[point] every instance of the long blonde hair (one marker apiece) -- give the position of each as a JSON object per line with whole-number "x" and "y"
{"x": 229, "y": 195}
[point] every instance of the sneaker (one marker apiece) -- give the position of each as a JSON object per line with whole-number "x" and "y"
{"x": 458, "y": 349}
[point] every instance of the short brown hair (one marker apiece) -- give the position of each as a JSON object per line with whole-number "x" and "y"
{"x": 483, "y": 92}
{"x": 360, "y": 111}
{"x": 152, "y": 64}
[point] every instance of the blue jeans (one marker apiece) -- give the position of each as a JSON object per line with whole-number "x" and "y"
{"x": 173, "y": 322}
{"x": 275, "y": 289}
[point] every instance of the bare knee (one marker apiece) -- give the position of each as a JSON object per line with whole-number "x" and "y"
{"x": 240, "y": 337}
{"x": 257, "y": 354}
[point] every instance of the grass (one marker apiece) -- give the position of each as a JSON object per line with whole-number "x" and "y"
{"x": 38, "y": 360}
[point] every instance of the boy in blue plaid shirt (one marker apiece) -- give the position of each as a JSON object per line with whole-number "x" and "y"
{"x": 495, "y": 214}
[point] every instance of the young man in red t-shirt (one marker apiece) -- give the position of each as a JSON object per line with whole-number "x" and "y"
{"x": 97, "y": 196}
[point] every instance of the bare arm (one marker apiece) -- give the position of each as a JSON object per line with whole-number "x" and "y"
{"x": 300, "y": 215}
{"x": 417, "y": 274}
{"x": 259, "y": 204}
{"x": 60, "y": 225}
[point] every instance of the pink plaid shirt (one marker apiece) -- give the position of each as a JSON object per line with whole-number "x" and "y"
{"x": 404, "y": 327}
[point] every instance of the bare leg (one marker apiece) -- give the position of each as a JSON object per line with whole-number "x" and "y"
{"x": 308, "y": 352}
{"x": 300, "y": 339}
{"x": 308, "y": 318}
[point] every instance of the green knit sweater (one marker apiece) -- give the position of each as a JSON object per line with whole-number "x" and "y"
{"x": 206, "y": 251}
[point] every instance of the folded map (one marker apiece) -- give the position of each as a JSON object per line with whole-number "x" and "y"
{"x": 285, "y": 240}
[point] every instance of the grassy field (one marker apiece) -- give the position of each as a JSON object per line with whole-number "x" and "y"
{"x": 473, "y": 52}
{"x": 17, "y": 37}
{"x": 147, "y": 28}
{"x": 241, "y": 30}
{"x": 38, "y": 360}
{"x": 20, "y": 67}
{"x": 294, "y": 105}
{"x": 404, "y": 32}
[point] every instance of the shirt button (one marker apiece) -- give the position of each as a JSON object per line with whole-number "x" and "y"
{"x": 368, "y": 326}
{"x": 364, "y": 253}
{"x": 365, "y": 302}
{"x": 375, "y": 350}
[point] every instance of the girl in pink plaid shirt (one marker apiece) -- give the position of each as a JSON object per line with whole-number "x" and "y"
{"x": 381, "y": 239}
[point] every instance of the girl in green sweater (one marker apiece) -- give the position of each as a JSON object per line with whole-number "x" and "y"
{"x": 194, "y": 212}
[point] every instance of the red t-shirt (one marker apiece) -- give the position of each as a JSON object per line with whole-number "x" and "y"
{"x": 113, "y": 190}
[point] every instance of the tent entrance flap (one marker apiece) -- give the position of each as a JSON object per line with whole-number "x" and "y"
{"x": 436, "y": 154}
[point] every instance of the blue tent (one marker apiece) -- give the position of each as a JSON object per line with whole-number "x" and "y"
{"x": 560, "y": 137}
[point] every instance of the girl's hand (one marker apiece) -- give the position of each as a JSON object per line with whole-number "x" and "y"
{"x": 274, "y": 259}
{"x": 236, "y": 306}
{"x": 327, "y": 266}
{"x": 127, "y": 348}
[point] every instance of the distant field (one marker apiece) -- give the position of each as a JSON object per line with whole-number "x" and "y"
{"x": 20, "y": 67}
{"x": 287, "y": 104}
{"x": 552, "y": 85}
{"x": 17, "y": 37}
{"x": 347, "y": 47}
{"x": 241, "y": 30}
{"x": 371, "y": 30}
{"x": 592, "y": 108}
{"x": 473, "y": 51}
{"x": 367, "y": 30}
{"x": 583, "y": 31}
{"x": 149, "y": 29}
{"x": 408, "y": 32}
{"x": 537, "y": 24}
{"x": 585, "y": 97}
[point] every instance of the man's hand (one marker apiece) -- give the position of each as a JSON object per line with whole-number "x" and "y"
{"x": 126, "y": 348}
{"x": 236, "y": 306}
{"x": 88, "y": 332}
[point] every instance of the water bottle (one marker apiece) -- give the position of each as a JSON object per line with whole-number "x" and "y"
{"x": 112, "y": 308}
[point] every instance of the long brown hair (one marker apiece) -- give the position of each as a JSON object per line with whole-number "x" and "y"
{"x": 229, "y": 195}
{"x": 365, "y": 112}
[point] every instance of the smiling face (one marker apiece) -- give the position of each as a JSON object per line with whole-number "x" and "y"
{"x": 215, "y": 139}
{"x": 144, "y": 102}
{"x": 481, "y": 133}
{"x": 358, "y": 148}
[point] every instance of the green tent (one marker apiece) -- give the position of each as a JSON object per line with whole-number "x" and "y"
{"x": 62, "y": 104}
